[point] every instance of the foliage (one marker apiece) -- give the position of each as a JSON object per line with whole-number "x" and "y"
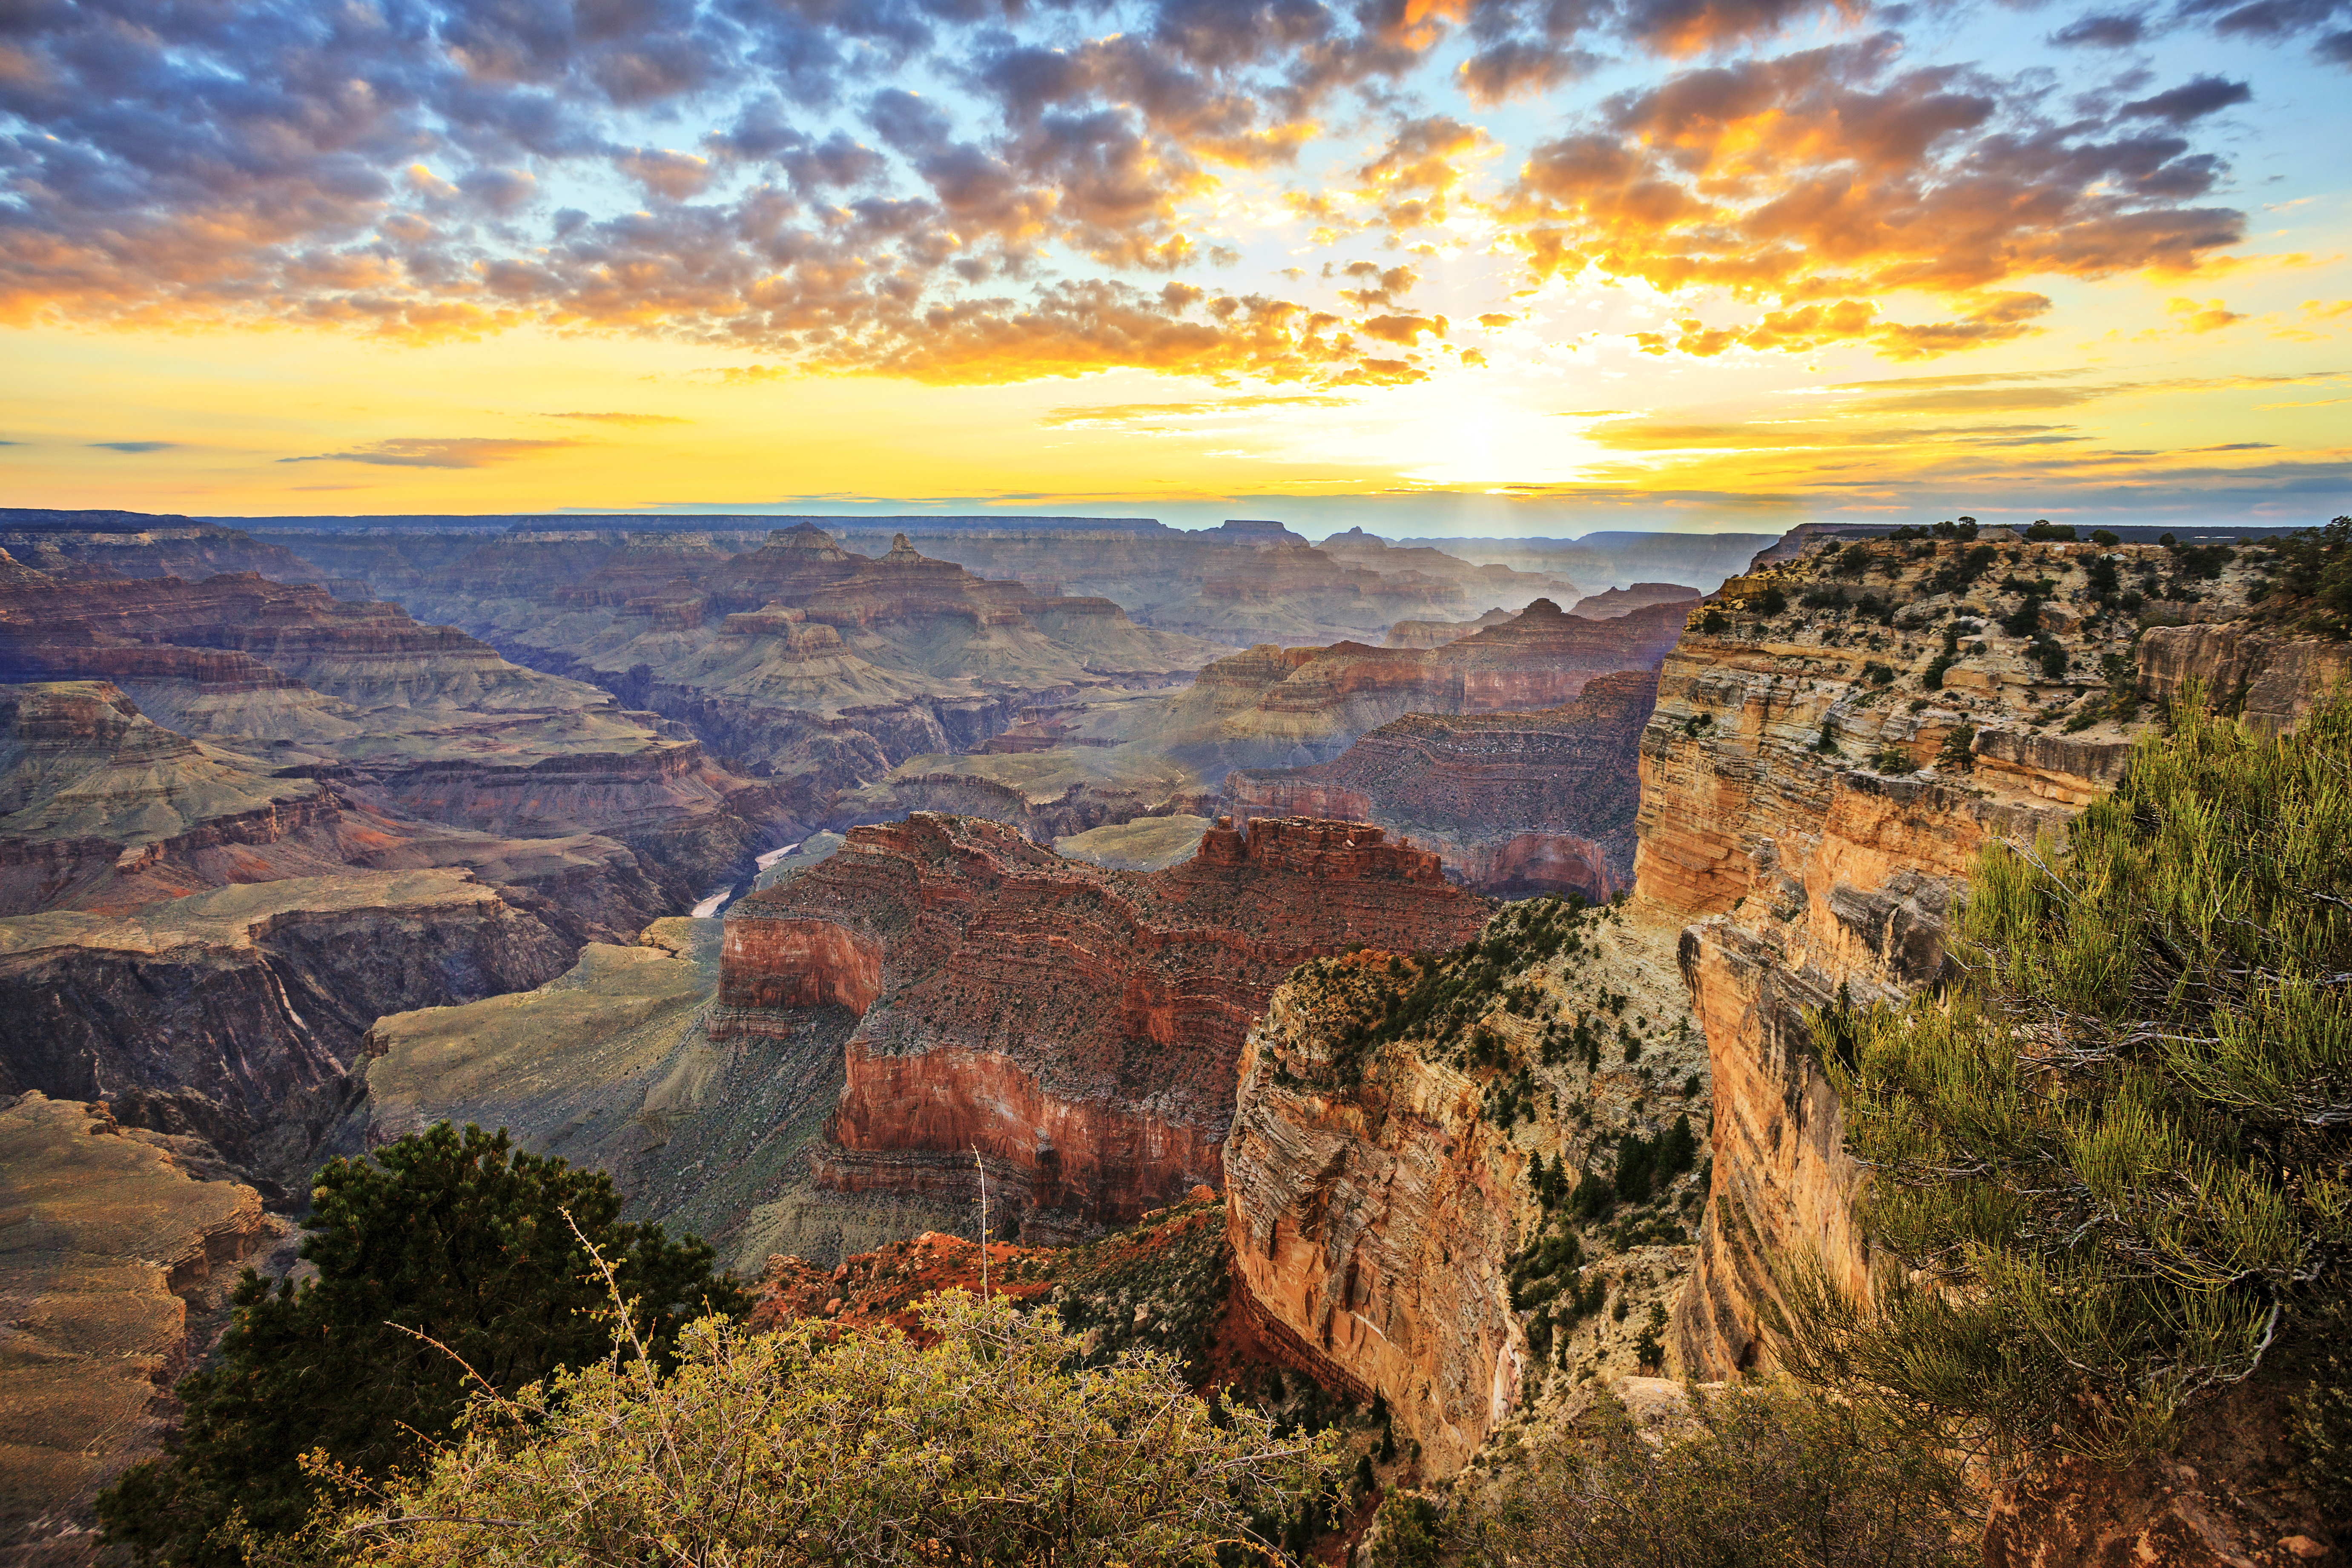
{"x": 2106, "y": 537}
{"x": 2316, "y": 567}
{"x": 2043, "y": 528}
{"x": 455, "y": 1236}
{"x": 1765, "y": 1476}
{"x": 1771, "y": 601}
{"x": 981, "y": 1447}
{"x": 1713, "y": 622}
{"x": 1408, "y": 1532}
{"x": 1958, "y": 753}
{"x": 2115, "y": 1152}
{"x": 1959, "y": 571}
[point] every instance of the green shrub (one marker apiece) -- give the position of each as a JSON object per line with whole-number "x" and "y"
{"x": 1771, "y": 602}
{"x": 1762, "y": 1477}
{"x": 455, "y": 1237}
{"x": 2116, "y": 1150}
{"x": 981, "y": 1447}
{"x": 1957, "y": 754}
{"x": 2106, "y": 537}
{"x": 2043, "y": 528}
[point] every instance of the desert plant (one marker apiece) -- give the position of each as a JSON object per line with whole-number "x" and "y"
{"x": 1761, "y": 1475}
{"x": 801, "y": 1446}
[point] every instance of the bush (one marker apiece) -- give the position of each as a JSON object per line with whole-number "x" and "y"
{"x": 1958, "y": 754}
{"x": 2318, "y": 566}
{"x": 2117, "y": 1149}
{"x": 979, "y": 1447}
{"x": 1960, "y": 572}
{"x": 2106, "y": 537}
{"x": 2043, "y": 528}
{"x": 455, "y": 1237}
{"x": 1771, "y": 602}
{"x": 1765, "y": 1476}
{"x": 1713, "y": 622}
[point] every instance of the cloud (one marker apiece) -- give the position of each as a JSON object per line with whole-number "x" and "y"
{"x": 2210, "y": 317}
{"x": 134, "y": 446}
{"x": 2193, "y": 99}
{"x": 437, "y": 452}
{"x": 1834, "y": 174}
{"x": 2110, "y": 30}
{"x": 625, "y": 419}
{"x": 454, "y": 172}
{"x": 1143, "y": 413}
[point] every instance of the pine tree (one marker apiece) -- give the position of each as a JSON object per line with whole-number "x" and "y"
{"x": 2110, "y": 1160}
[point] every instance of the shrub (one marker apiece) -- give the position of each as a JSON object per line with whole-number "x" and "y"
{"x": 1957, "y": 754}
{"x": 1876, "y": 673}
{"x": 2108, "y": 537}
{"x": 978, "y": 1448}
{"x": 1713, "y": 622}
{"x": 2117, "y": 1149}
{"x": 454, "y": 1235}
{"x": 1960, "y": 572}
{"x": 1763, "y": 1477}
{"x": 1771, "y": 602}
{"x": 2317, "y": 565}
{"x": 1894, "y": 761}
{"x": 2043, "y": 528}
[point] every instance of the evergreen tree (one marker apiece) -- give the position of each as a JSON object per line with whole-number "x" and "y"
{"x": 445, "y": 1255}
{"x": 2111, "y": 1158}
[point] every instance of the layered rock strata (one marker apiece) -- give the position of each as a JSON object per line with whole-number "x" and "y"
{"x": 229, "y": 1013}
{"x": 1518, "y": 803}
{"x": 115, "y": 1259}
{"x": 1077, "y": 1027}
{"x": 1275, "y": 706}
{"x": 1387, "y": 1222}
{"x": 1811, "y": 800}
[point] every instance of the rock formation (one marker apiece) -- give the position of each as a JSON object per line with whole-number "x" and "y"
{"x": 1388, "y": 1226}
{"x": 117, "y": 1253}
{"x": 1615, "y": 602}
{"x": 1080, "y": 1026}
{"x": 419, "y": 721}
{"x": 1515, "y": 802}
{"x": 1819, "y": 773}
{"x": 102, "y": 544}
{"x": 226, "y": 1012}
{"x": 1275, "y": 706}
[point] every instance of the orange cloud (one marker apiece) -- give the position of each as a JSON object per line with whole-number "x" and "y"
{"x": 1828, "y": 174}
{"x": 2210, "y": 317}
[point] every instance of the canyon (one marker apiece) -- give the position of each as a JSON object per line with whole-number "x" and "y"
{"x": 1516, "y": 802}
{"x": 1079, "y": 1027}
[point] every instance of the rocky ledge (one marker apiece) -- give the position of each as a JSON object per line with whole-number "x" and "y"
{"x": 1077, "y": 1027}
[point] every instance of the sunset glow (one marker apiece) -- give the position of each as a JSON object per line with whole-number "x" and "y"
{"x": 1682, "y": 263}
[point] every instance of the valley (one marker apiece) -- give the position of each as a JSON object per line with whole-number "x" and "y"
{"x": 1385, "y": 978}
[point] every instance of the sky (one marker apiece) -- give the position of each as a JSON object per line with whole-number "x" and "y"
{"x": 1428, "y": 266}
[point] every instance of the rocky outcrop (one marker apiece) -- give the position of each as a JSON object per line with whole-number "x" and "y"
{"x": 1518, "y": 803}
{"x": 1615, "y": 602}
{"x": 2270, "y": 680}
{"x": 115, "y": 1259}
{"x": 1388, "y": 1229}
{"x": 1078, "y": 1026}
{"x": 1372, "y": 1229}
{"x": 225, "y": 1011}
{"x": 1275, "y": 706}
{"x": 97, "y": 544}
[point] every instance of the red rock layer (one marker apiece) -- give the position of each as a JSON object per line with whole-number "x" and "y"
{"x": 1078, "y": 1026}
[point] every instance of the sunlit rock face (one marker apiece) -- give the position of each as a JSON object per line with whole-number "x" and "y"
{"x": 1079, "y": 1027}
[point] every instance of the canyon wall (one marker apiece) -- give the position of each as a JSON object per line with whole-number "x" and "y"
{"x": 1281, "y": 708}
{"x": 1516, "y": 802}
{"x": 1080, "y": 1027}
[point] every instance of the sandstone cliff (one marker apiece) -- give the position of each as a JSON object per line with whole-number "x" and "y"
{"x": 1080, "y": 1026}
{"x": 116, "y": 1259}
{"x": 1515, "y": 802}
{"x": 1821, "y": 771}
{"x": 1419, "y": 1160}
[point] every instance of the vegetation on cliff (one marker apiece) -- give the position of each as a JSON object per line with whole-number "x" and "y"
{"x": 447, "y": 1264}
{"x": 2113, "y": 1153}
{"x": 816, "y": 1445}
{"x": 1760, "y": 1475}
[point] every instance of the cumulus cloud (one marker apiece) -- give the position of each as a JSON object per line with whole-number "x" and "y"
{"x": 768, "y": 177}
